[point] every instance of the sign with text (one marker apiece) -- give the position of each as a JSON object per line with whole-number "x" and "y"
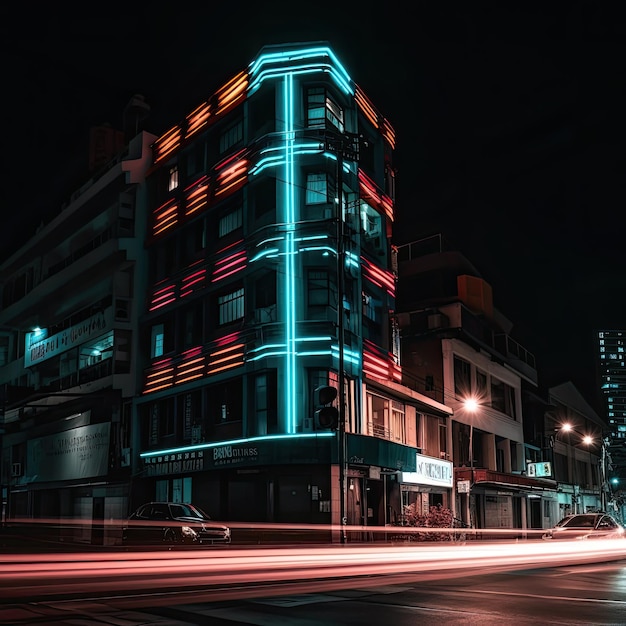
{"x": 429, "y": 471}
{"x": 539, "y": 470}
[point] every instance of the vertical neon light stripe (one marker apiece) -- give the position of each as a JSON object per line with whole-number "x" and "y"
{"x": 290, "y": 249}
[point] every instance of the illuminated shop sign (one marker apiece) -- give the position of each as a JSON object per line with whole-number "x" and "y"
{"x": 43, "y": 349}
{"x": 539, "y": 470}
{"x": 430, "y": 471}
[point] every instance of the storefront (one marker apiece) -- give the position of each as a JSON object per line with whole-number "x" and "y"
{"x": 292, "y": 479}
{"x": 429, "y": 485}
{"x": 490, "y": 499}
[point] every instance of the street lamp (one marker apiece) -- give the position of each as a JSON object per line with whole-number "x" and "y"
{"x": 471, "y": 405}
{"x": 588, "y": 440}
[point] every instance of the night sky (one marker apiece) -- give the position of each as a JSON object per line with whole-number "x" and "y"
{"x": 509, "y": 122}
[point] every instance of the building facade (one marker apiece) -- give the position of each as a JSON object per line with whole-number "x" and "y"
{"x": 458, "y": 350}
{"x": 272, "y": 277}
{"x": 611, "y": 369}
{"x": 68, "y": 345}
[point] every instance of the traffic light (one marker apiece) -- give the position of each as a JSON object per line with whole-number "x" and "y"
{"x": 326, "y": 415}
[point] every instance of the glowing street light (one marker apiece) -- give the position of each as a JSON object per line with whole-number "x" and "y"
{"x": 588, "y": 440}
{"x": 471, "y": 405}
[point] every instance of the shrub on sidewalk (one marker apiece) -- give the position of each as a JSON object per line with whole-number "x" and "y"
{"x": 437, "y": 517}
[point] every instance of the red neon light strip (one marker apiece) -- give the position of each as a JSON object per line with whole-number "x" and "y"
{"x": 167, "y": 143}
{"x": 379, "y": 200}
{"x": 198, "y": 118}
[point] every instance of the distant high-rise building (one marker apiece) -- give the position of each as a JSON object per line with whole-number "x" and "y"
{"x": 612, "y": 374}
{"x": 612, "y": 381}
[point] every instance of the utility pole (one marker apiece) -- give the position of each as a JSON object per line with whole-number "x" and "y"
{"x": 344, "y": 146}
{"x": 341, "y": 339}
{"x": 603, "y": 473}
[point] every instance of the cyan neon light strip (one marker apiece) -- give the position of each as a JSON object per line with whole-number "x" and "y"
{"x": 290, "y": 287}
{"x": 234, "y": 442}
{"x": 285, "y": 65}
{"x": 348, "y": 355}
{"x": 270, "y": 252}
{"x": 276, "y": 160}
{"x": 320, "y": 59}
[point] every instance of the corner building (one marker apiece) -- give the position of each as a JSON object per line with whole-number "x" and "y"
{"x": 272, "y": 275}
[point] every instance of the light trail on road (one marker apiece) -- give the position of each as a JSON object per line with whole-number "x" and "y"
{"x": 81, "y": 575}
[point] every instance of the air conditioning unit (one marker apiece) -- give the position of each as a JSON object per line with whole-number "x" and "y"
{"x": 16, "y": 469}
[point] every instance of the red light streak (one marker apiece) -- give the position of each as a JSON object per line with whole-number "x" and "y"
{"x": 197, "y": 119}
{"x": 366, "y": 106}
{"x": 197, "y": 196}
{"x": 165, "y": 217}
{"x": 231, "y": 93}
{"x": 26, "y": 575}
{"x": 376, "y": 198}
{"x": 167, "y": 143}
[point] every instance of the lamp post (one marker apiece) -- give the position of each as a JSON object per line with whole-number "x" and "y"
{"x": 588, "y": 440}
{"x": 471, "y": 406}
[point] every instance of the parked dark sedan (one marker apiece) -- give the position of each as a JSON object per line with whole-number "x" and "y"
{"x": 586, "y": 526}
{"x": 173, "y": 523}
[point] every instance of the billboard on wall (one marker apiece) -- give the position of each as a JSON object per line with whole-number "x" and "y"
{"x": 40, "y": 347}
{"x": 430, "y": 471}
{"x": 81, "y": 452}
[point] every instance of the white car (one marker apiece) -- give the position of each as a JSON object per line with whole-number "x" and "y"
{"x": 586, "y": 526}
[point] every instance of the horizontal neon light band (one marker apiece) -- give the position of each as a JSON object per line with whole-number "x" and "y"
{"x": 231, "y": 442}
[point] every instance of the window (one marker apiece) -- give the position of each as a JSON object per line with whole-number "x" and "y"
{"x": 96, "y": 350}
{"x": 443, "y": 438}
{"x": 230, "y": 221}
{"x": 323, "y": 111}
{"x": 225, "y": 401}
{"x": 378, "y": 416}
{"x": 172, "y": 181}
{"x": 231, "y": 136}
{"x": 266, "y": 403}
{"x": 193, "y": 242}
{"x": 4, "y": 350}
{"x": 462, "y": 378}
{"x": 503, "y": 397}
{"x": 372, "y": 227}
{"x": 191, "y": 326}
{"x": 482, "y": 390}
{"x": 265, "y": 291}
{"x": 318, "y": 288}
{"x": 371, "y": 307}
{"x": 163, "y": 410}
{"x": 157, "y": 341}
{"x": 231, "y": 306}
{"x": 262, "y": 197}
{"x": 398, "y": 423}
{"x": 316, "y": 188}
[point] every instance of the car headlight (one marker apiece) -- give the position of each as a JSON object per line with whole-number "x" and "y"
{"x": 188, "y": 532}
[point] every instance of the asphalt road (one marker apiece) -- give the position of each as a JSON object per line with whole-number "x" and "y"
{"x": 590, "y": 593}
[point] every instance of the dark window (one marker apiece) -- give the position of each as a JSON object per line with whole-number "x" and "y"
{"x": 191, "y": 326}
{"x": 263, "y": 197}
{"x": 319, "y": 288}
{"x": 225, "y": 401}
{"x": 323, "y": 111}
{"x": 462, "y": 378}
{"x": 265, "y": 291}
